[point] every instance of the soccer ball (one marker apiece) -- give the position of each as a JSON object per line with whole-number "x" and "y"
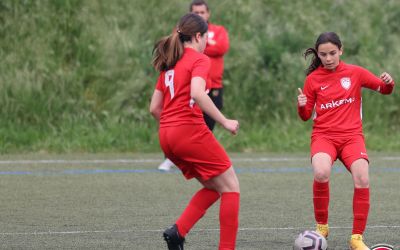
{"x": 310, "y": 240}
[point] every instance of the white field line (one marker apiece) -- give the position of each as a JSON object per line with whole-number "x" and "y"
{"x": 157, "y": 160}
{"x": 194, "y": 230}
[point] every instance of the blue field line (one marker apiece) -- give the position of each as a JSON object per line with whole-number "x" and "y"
{"x": 16, "y": 173}
{"x": 109, "y": 171}
{"x": 282, "y": 170}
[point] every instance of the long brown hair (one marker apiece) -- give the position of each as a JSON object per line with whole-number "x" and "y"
{"x": 168, "y": 50}
{"x": 327, "y": 37}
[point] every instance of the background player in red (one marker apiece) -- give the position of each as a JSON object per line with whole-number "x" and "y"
{"x": 217, "y": 46}
{"x": 178, "y": 102}
{"x": 332, "y": 90}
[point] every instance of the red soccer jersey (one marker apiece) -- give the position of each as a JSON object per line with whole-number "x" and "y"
{"x": 178, "y": 107}
{"x": 217, "y": 46}
{"x": 335, "y": 98}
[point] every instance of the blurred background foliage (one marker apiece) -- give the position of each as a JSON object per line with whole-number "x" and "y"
{"x": 76, "y": 75}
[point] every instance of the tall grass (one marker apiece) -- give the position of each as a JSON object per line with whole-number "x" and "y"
{"x": 76, "y": 75}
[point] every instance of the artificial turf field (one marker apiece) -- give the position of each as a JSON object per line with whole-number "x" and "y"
{"x": 120, "y": 201}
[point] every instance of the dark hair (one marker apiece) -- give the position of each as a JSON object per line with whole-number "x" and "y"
{"x": 197, "y": 3}
{"x": 327, "y": 37}
{"x": 168, "y": 50}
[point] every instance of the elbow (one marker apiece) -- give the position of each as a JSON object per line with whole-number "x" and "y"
{"x": 195, "y": 95}
{"x": 304, "y": 117}
{"x": 155, "y": 112}
{"x": 303, "y": 114}
{"x": 152, "y": 110}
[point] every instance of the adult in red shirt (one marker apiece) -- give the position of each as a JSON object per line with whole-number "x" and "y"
{"x": 332, "y": 90}
{"x": 177, "y": 103}
{"x": 217, "y": 46}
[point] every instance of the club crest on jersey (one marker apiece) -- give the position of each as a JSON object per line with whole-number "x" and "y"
{"x": 382, "y": 247}
{"x": 345, "y": 82}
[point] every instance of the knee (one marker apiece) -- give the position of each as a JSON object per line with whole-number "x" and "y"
{"x": 321, "y": 175}
{"x": 361, "y": 181}
{"x": 233, "y": 186}
{"x": 322, "y": 164}
{"x": 359, "y": 170}
{"x": 226, "y": 182}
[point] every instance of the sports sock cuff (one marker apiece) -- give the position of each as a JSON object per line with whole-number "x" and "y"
{"x": 321, "y": 185}
{"x": 230, "y": 194}
{"x": 362, "y": 192}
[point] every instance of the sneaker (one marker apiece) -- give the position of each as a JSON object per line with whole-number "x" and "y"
{"x": 323, "y": 229}
{"x": 166, "y": 165}
{"x": 356, "y": 242}
{"x": 173, "y": 239}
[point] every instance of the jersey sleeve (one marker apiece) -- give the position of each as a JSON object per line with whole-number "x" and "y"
{"x": 221, "y": 45}
{"x": 369, "y": 80}
{"x": 305, "y": 112}
{"x": 201, "y": 67}
{"x": 159, "y": 84}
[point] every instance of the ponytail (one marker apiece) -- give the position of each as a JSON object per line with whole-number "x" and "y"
{"x": 315, "y": 63}
{"x": 167, "y": 51}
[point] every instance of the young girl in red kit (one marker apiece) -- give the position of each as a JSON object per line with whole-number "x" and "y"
{"x": 177, "y": 103}
{"x": 216, "y": 47}
{"x": 332, "y": 95}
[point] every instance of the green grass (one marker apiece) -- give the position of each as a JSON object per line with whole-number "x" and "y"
{"x": 99, "y": 137}
{"x": 66, "y": 205}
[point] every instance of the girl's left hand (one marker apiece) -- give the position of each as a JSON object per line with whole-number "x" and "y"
{"x": 386, "y": 78}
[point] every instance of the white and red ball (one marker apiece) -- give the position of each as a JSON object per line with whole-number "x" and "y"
{"x": 310, "y": 240}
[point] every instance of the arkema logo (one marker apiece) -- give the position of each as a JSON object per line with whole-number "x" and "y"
{"x": 338, "y": 103}
{"x": 382, "y": 247}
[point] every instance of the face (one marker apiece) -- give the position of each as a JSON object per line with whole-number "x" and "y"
{"x": 202, "y": 41}
{"x": 329, "y": 54}
{"x": 202, "y": 11}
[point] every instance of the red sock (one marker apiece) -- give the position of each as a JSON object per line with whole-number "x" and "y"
{"x": 321, "y": 201}
{"x": 229, "y": 220}
{"x": 196, "y": 208}
{"x": 360, "y": 209}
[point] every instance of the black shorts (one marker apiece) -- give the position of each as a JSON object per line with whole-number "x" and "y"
{"x": 216, "y": 97}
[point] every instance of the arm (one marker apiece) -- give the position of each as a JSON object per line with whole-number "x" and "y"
{"x": 305, "y": 102}
{"x": 198, "y": 94}
{"x": 219, "y": 45}
{"x": 156, "y": 104}
{"x": 383, "y": 84}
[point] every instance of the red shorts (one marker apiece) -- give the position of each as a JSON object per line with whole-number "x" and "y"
{"x": 194, "y": 150}
{"x": 346, "y": 149}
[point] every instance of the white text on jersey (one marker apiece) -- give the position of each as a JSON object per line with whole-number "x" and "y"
{"x": 334, "y": 104}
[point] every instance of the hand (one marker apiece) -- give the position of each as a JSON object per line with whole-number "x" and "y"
{"x": 231, "y": 125}
{"x": 301, "y": 98}
{"x": 386, "y": 78}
